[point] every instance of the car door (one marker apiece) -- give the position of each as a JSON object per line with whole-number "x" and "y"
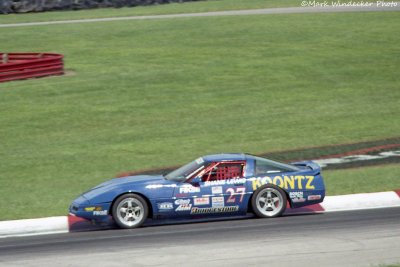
{"x": 217, "y": 190}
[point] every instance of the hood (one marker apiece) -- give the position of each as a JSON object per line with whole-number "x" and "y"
{"x": 131, "y": 179}
{"x": 122, "y": 182}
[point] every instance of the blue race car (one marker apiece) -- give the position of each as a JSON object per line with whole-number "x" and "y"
{"x": 214, "y": 185}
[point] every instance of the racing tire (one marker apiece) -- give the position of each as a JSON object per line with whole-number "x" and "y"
{"x": 130, "y": 211}
{"x": 269, "y": 201}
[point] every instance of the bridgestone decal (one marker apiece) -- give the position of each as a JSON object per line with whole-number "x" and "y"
{"x": 214, "y": 210}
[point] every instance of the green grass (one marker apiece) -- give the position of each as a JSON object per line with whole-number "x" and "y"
{"x": 173, "y": 8}
{"x": 362, "y": 180}
{"x": 161, "y": 92}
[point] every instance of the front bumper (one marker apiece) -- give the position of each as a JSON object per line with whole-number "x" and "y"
{"x": 96, "y": 212}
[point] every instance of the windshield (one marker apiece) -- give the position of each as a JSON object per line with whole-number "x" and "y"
{"x": 186, "y": 171}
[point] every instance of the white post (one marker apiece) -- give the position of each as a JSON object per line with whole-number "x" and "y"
{"x": 5, "y": 58}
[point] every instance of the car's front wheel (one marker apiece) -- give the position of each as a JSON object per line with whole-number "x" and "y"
{"x": 269, "y": 201}
{"x": 130, "y": 211}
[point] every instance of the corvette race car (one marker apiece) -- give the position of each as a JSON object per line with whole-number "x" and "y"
{"x": 213, "y": 185}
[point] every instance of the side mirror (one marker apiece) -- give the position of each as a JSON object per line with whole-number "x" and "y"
{"x": 195, "y": 181}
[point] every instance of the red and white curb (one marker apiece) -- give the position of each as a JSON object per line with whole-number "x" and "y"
{"x": 65, "y": 224}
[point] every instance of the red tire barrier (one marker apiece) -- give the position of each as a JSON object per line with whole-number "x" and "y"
{"x": 18, "y": 66}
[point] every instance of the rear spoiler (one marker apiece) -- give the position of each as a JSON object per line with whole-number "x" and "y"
{"x": 310, "y": 164}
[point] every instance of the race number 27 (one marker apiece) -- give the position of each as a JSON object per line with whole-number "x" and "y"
{"x": 233, "y": 192}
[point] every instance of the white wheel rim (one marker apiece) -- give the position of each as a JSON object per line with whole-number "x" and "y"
{"x": 130, "y": 211}
{"x": 269, "y": 202}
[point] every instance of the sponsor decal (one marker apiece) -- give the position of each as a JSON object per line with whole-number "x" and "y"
{"x": 196, "y": 210}
{"x": 201, "y": 201}
{"x": 182, "y": 201}
{"x": 296, "y": 194}
{"x": 165, "y": 206}
{"x": 100, "y": 212}
{"x": 286, "y": 182}
{"x": 184, "y": 207}
{"x": 236, "y": 181}
{"x": 297, "y": 197}
{"x": 314, "y": 197}
{"x": 199, "y": 160}
{"x": 224, "y": 182}
{"x": 218, "y": 202}
{"x": 216, "y": 190}
{"x": 189, "y": 189}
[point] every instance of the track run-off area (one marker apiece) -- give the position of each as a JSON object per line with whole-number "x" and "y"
{"x": 353, "y": 238}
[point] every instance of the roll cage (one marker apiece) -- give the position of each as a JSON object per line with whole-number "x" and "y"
{"x": 221, "y": 170}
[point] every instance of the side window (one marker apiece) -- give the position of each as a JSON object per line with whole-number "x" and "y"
{"x": 223, "y": 171}
{"x": 265, "y": 166}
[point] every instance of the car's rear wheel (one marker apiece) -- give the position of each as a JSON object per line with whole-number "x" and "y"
{"x": 130, "y": 211}
{"x": 269, "y": 201}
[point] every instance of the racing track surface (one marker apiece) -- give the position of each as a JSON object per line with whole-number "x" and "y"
{"x": 357, "y": 238}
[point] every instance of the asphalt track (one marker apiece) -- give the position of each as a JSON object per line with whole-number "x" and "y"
{"x": 286, "y": 10}
{"x": 356, "y": 238}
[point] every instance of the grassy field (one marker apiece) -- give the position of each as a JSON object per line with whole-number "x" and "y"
{"x": 173, "y": 8}
{"x": 157, "y": 93}
{"x": 362, "y": 180}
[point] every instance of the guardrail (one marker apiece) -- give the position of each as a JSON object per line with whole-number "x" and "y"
{"x": 18, "y": 66}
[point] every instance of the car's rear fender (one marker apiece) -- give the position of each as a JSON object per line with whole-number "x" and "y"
{"x": 250, "y": 208}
